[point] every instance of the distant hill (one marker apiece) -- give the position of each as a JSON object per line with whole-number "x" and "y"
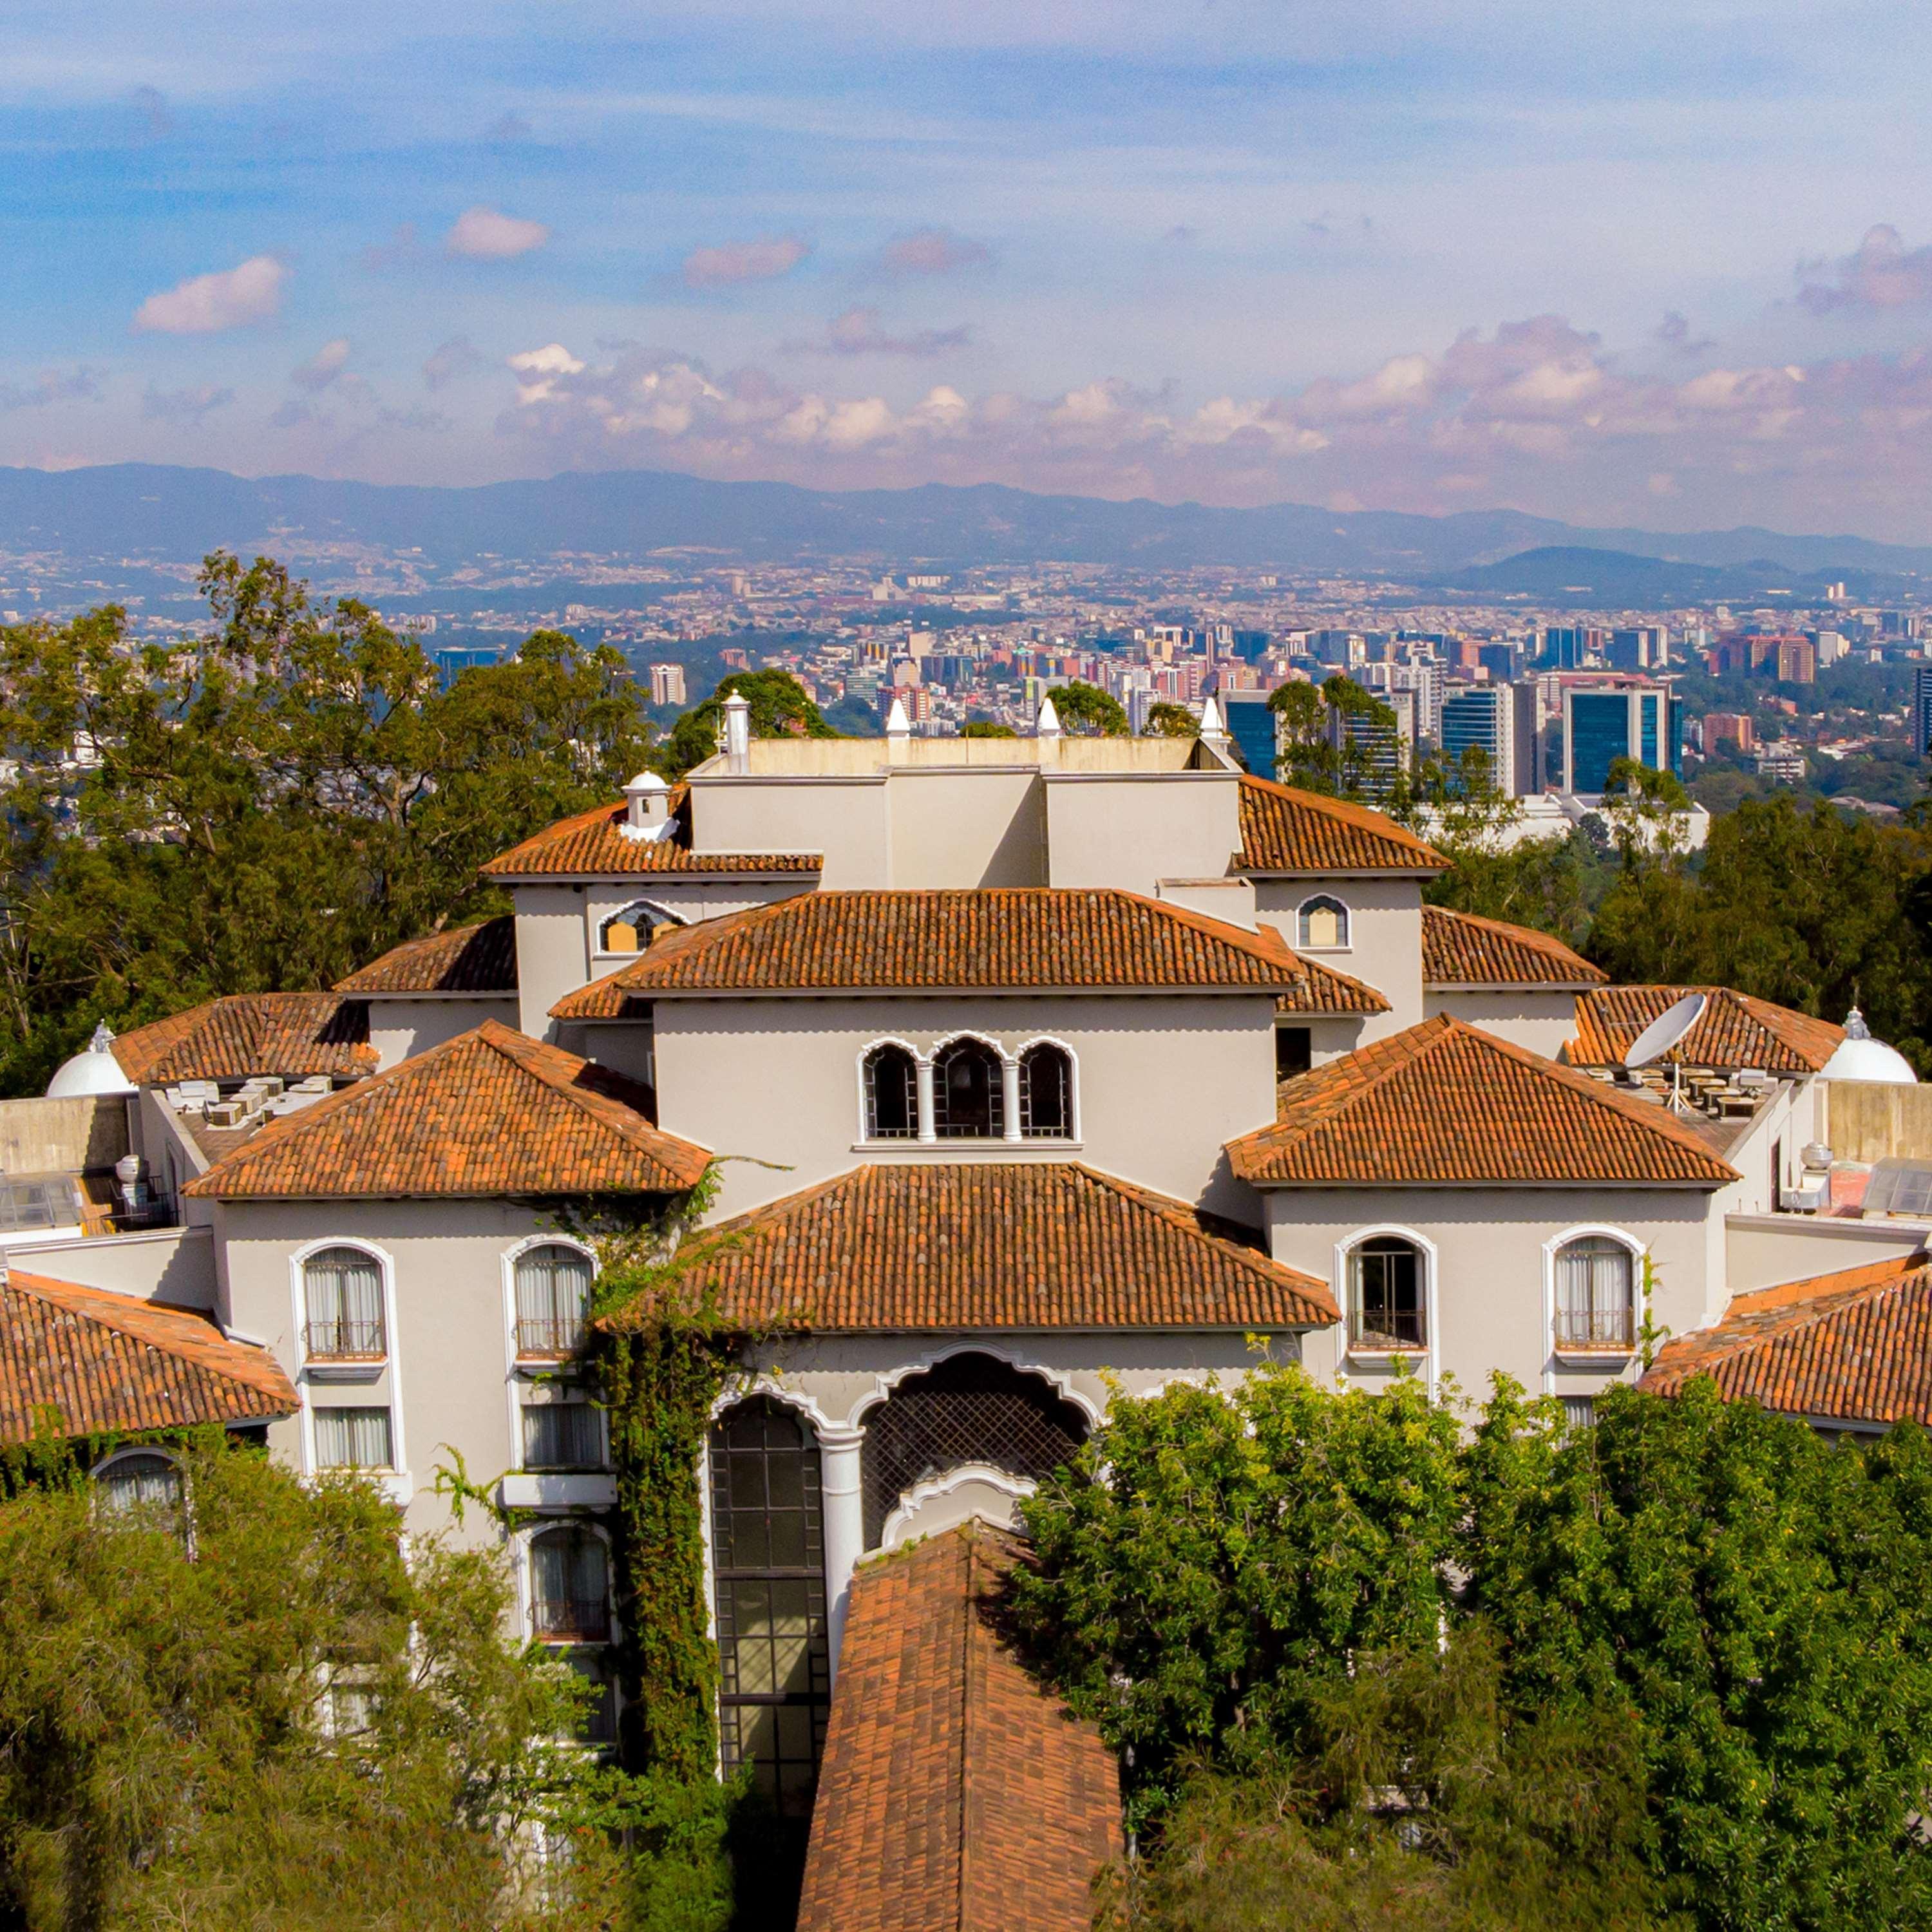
{"x": 1569, "y": 573}
{"x": 131, "y": 513}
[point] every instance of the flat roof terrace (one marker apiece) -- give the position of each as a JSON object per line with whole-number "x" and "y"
{"x": 866, "y": 757}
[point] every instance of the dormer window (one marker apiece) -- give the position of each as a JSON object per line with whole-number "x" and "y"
{"x": 1322, "y": 924}
{"x": 634, "y": 928}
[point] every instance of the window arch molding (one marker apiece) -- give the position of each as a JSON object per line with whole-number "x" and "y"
{"x": 391, "y": 1370}
{"x": 863, "y": 1059}
{"x": 1639, "y": 1250}
{"x": 1323, "y": 924}
{"x": 885, "y": 1384}
{"x": 641, "y": 917}
{"x": 1059, "y": 1045}
{"x": 997, "y": 1095}
{"x": 132, "y": 1453}
{"x": 1339, "y": 1285}
{"x": 512, "y": 1257}
{"x": 523, "y": 1541}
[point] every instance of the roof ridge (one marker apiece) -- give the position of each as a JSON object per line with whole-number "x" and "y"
{"x": 1364, "y": 817}
{"x": 529, "y": 1057}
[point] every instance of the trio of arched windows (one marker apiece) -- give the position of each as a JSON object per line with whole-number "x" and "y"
{"x": 971, "y": 1093}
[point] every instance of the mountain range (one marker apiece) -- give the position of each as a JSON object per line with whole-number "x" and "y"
{"x": 131, "y": 513}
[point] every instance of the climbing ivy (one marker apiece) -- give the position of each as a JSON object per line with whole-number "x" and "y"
{"x": 53, "y": 1459}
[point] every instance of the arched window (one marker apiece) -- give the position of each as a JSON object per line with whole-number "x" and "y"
{"x": 968, "y": 1097}
{"x": 1596, "y": 1294}
{"x": 1046, "y": 1093}
{"x": 552, "y": 1297}
{"x": 968, "y": 1408}
{"x": 342, "y": 1295}
{"x": 570, "y": 1587}
{"x": 1323, "y": 921}
{"x": 634, "y": 928}
{"x": 892, "y": 1095}
{"x": 142, "y": 1480}
{"x": 768, "y": 1546}
{"x": 1386, "y": 1307}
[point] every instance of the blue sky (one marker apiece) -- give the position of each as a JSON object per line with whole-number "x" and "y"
{"x": 1669, "y": 264}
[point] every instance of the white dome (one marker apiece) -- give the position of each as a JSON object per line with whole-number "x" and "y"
{"x": 1859, "y": 1057}
{"x": 94, "y": 1071}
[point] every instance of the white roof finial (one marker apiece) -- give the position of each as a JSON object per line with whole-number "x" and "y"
{"x": 898, "y": 724}
{"x": 1211, "y": 726}
{"x": 1047, "y": 725}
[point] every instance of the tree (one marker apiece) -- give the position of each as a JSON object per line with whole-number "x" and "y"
{"x": 1646, "y": 808}
{"x": 1086, "y": 711}
{"x": 780, "y": 709}
{"x": 248, "y": 1709}
{"x": 986, "y": 728}
{"x": 268, "y": 805}
{"x": 1329, "y": 734}
{"x": 1172, "y": 721}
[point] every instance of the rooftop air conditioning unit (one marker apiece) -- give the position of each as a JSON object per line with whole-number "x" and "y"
{"x": 227, "y": 1113}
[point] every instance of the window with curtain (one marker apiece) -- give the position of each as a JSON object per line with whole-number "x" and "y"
{"x": 1596, "y": 1294}
{"x": 1386, "y": 1309}
{"x": 968, "y": 1100}
{"x": 352, "y": 1438}
{"x": 634, "y": 928}
{"x": 552, "y": 1297}
{"x": 892, "y": 1095}
{"x": 1046, "y": 1093}
{"x": 1322, "y": 921}
{"x": 148, "y": 1480}
{"x": 570, "y": 1600}
{"x": 769, "y": 1551}
{"x": 562, "y": 1435}
{"x": 342, "y": 1290}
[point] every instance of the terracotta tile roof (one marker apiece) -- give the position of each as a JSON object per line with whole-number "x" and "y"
{"x": 82, "y": 1360}
{"x": 1855, "y": 1347}
{"x": 590, "y": 845}
{"x": 991, "y": 939}
{"x": 958, "y": 1794}
{"x": 944, "y": 1245}
{"x": 1446, "y": 1103}
{"x": 491, "y": 1112}
{"x": 1323, "y": 990}
{"x": 242, "y": 1034}
{"x": 1284, "y": 830}
{"x": 1460, "y": 949}
{"x": 468, "y": 959}
{"x": 1735, "y": 1030}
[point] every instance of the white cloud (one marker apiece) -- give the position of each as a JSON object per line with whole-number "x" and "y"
{"x": 932, "y": 251}
{"x": 537, "y": 370}
{"x": 762, "y": 260}
{"x": 1880, "y": 273}
{"x": 487, "y": 234}
{"x": 323, "y": 367}
{"x": 251, "y": 292}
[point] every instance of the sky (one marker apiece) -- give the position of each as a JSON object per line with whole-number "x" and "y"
{"x": 1665, "y": 264}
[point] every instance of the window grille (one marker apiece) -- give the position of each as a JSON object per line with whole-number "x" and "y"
{"x": 562, "y": 1435}
{"x": 1579, "y": 1412}
{"x": 967, "y": 1408}
{"x": 342, "y": 1290}
{"x": 53, "y": 1201}
{"x": 142, "y": 1482}
{"x": 570, "y": 1601}
{"x": 633, "y": 929}
{"x": 352, "y": 1438}
{"x": 1595, "y": 1295}
{"x": 892, "y": 1095}
{"x": 968, "y": 1093}
{"x": 553, "y": 1295}
{"x": 768, "y": 1548}
{"x": 1046, "y": 1093}
{"x": 1385, "y": 1295}
{"x": 1323, "y": 921}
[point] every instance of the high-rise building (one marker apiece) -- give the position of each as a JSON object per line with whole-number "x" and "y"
{"x": 1482, "y": 717}
{"x": 1253, "y": 727}
{"x": 1921, "y": 709}
{"x": 1645, "y": 647}
{"x": 1602, "y": 723}
{"x": 1532, "y": 775}
{"x": 1387, "y": 749}
{"x": 667, "y": 684}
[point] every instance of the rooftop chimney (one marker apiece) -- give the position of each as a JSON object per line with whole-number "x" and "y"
{"x": 646, "y": 805}
{"x": 738, "y": 731}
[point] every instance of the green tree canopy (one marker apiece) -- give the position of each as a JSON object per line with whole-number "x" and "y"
{"x": 1319, "y": 751}
{"x": 1172, "y": 721}
{"x": 780, "y": 709}
{"x": 1087, "y": 711}
{"x": 986, "y": 728}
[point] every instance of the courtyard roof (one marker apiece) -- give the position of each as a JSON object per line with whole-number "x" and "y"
{"x": 243, "y": 1034}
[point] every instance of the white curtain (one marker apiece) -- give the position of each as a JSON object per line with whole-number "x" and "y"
{"x": 352, "y": 1438}
{"x": 345, "y": 1301}
{"x": 1594, "y": 1284}
{"x": 553, "y": 1293}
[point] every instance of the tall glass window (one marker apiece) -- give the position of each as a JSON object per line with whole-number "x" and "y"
{"x": 1322, "y": 921}
{"x": 1386, "y": 1309}
{"x": 768, "y": 1547}
{"x": 570, "y": 1586}
{"x": 892, "y": 1095}
{"x": 146, "y": 1480}
{"x": 562, "y": 1435}
{"x": 1596, "y": 1294}
{"x": 342, "y": 1290}
{"x": 1046, "y": 1093}
{"x": 553, "y": 1298}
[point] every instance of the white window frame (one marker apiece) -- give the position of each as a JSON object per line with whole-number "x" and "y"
{"x": 661, "y": 915}
{"x": 921, "y": 1065}
{"x": 1073, "y": 1136}
{"x": 1008, "y": 1066}
{"x": 1608, "y": 1362}
{"x": 1427, "y": 1358}
{"x": 389, "y": 1372}
{"x": 1347, "y": 942}
{"x": 517, "y": 1376}
{"x": 522, "y": 1538}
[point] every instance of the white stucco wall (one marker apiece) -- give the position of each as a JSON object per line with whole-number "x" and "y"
{"x": 398, "y": 1028}
{"x": 965, "y": 829}
{"x": 845, "y": 818}
{"x": 1490, "y": 1271}
{"x": 1542, "y": 1022}
{"x": 1132, "y": 831}
{"x": 1162, "y": 1082}
{"x": 1385, "y": 938}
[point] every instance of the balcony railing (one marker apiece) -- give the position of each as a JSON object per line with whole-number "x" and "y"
{"x": 1373, "y": 1328}
{"x": 549, "y": 1334}
{"x": 346, "y": 1340}
{"x": 572, "y": 1619}
{"x": 1607, "y": 1330}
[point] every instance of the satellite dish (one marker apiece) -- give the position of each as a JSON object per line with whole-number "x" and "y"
{"x": 1666, "y": 1030}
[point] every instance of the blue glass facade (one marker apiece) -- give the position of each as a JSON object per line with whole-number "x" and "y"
{"x": 1478, "y": 717}
{"x": 1607, "y": 725}
{"x": 1251, "y": 724}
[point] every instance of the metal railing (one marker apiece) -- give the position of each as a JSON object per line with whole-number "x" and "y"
{"x": 549, "y": 1334}
{"x": 346, "y": 1340}
{"x": 1387, "y": 1328}
{"x": 574, "y": 1619}
{"x": 1595, "y": 1328}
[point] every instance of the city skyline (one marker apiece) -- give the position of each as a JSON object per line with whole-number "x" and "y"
{"x": 1666, "y": 269}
